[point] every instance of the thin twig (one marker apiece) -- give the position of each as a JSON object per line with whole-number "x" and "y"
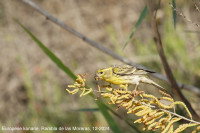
{"x": 166, "y": 66}
{"x": 195, "y": 4}
{"x": 182, "y": 15}
{"x": 194, "y": 89}
{"x": 167, "y": 111}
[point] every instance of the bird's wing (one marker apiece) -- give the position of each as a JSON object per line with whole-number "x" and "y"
{"x": 129, "y": 70}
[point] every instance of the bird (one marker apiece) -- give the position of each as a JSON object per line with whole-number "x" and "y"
{"x": 125, "y": 75}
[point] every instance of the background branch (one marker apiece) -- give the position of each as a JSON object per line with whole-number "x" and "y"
{"x": 166, "y": 66}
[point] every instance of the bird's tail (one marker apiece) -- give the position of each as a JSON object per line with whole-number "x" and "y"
{"x": 161, "y": 89}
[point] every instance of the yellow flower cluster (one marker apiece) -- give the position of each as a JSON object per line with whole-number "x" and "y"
{"x": 149, "y": 108}
{"x": 79, "y": 85}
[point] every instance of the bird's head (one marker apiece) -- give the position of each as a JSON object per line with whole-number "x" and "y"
{"x": 103, "y": 74}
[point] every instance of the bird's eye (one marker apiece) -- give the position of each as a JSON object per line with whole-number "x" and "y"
{"x": 100, "y": 72}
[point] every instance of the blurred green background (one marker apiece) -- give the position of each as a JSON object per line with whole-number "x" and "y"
{"x": 33, "y": 87}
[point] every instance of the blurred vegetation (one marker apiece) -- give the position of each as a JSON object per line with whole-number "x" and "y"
{"x": 51, "y": 106}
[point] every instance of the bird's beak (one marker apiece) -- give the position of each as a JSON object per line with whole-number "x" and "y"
{"x": 96, "y": 77}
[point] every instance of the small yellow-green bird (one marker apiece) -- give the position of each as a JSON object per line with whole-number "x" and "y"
{"x": 126, "y": 75}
